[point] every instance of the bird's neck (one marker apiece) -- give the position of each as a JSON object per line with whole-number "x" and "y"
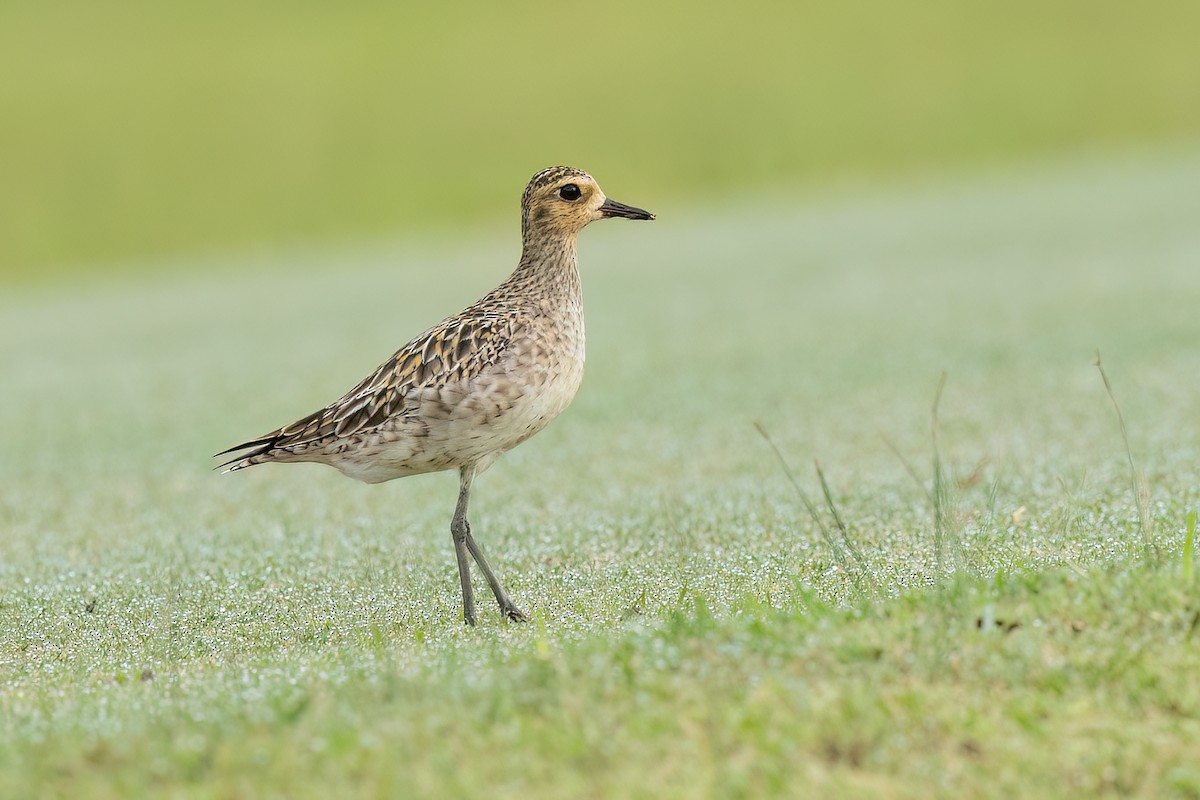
{"x": 549, "y": 268}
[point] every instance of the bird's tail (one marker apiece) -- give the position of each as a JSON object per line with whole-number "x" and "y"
{"x": 286, "y": 444}
{"x": 257, "y": 452}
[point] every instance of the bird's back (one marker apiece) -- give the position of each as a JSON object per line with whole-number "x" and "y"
{"x": 464, "y": 392}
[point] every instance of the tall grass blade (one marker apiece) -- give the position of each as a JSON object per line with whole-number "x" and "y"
{"x": 909, "y": 468}
{"x": 831, "y": 541}
{"x": 1189, "y": 545}
{"x": 938, "y": 494}
{"x": 1141, "y": 491}
{"x": 843, "y": 529}
{"x": 939, "y": 489}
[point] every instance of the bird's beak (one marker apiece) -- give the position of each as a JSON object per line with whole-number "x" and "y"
{"x": 611, "y": 208}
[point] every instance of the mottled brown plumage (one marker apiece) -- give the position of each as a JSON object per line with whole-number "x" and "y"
{"x": 473, "y": 387}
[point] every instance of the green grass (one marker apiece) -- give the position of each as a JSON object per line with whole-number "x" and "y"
{"x": 134, "y": 129}
{"x": 168, "y": 631}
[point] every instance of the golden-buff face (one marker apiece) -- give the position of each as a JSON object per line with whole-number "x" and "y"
{"x": 563, "y": 200}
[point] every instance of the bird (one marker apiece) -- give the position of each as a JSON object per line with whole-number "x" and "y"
{"x": 474, "y": 386}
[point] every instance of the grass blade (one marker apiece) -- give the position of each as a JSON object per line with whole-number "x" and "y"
{"x": 831, "y": 541}
{"x": 1189, "y": 544}
{"x": 1141, "y": 490}
{"x": 843, "y": 529}
{"x": 939, "y": 482}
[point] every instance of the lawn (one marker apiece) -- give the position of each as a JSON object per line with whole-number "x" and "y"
{"x": 169, "y": 631}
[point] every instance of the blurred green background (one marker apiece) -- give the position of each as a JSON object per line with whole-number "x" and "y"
{"x": 134, "y": 130}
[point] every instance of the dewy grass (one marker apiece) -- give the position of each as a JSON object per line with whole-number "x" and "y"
{"x": 168, "y": 631}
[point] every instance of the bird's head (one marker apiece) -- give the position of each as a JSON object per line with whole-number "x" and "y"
{"x": 561, "y": 201}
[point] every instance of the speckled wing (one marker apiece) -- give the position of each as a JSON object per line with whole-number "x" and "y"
{"x": 458, "y": 349}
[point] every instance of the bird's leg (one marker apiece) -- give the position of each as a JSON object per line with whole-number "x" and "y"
{"x": 460, "y": 531}
{"x": 507, "y": 607}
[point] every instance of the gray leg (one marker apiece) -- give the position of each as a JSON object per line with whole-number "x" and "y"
{"x": 460, "y": 531}
{"x": 507, "y": 607}
{"x": 463, "y": 538}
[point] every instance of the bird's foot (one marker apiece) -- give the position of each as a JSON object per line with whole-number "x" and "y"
{"x": 514, "y": 614}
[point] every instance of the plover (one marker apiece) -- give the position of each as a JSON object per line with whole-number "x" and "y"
{"x": 475, "y": 386}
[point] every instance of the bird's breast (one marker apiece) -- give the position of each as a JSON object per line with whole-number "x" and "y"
{"x": 496, "y": 410}
{"x": 544, "y": 370}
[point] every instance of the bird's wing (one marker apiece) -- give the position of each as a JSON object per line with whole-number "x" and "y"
{"x": 458, "y": 349}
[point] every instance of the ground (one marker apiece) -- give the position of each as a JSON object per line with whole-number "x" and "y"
{"x": 1016, "y": 628}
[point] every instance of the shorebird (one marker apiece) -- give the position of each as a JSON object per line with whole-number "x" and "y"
{"x": 474, "y": 386}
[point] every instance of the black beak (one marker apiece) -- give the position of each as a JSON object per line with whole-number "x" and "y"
{"x": 611, "y": 208}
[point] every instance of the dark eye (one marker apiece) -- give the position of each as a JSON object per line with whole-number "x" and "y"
{"x": 569, "y": 192}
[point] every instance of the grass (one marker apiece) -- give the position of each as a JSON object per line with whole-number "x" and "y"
{"x": 135, "y": 130}
{"x": 1189, "y": 547}
{"x": 1137, "y": 480}
{"x": 167, "y": 631}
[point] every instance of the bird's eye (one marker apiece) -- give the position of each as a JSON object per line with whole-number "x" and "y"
{"x": 569, "y": 192}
